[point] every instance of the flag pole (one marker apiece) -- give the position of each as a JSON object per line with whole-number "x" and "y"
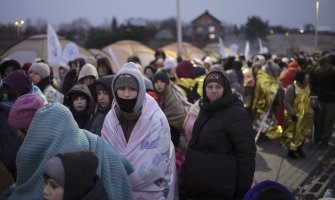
{"x": 316, "y": 25}
{"x": 179, "y": 31}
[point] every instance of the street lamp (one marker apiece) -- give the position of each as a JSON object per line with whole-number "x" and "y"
{"x": 316, "y": 25}
{"x": 18, "y": 25}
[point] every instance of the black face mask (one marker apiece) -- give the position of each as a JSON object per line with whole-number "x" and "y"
{"x": 126, "y": 105}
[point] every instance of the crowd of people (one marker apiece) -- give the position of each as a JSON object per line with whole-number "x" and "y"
{"x": 175, "y": 129}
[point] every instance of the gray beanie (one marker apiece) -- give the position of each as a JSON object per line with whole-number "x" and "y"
{"x": 126, "y": 80}
{"x": 216, "y": 67}
{"x": 55, "y": 170}
{"x": 148, "y": 83}
{"x": 40, "y": 68}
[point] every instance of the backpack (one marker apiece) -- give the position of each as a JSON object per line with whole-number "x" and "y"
{"x": 191, "y": 93}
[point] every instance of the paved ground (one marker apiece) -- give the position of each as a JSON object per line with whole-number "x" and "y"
{"x": 312, "y": 175}
{"x": 272, "y": 163}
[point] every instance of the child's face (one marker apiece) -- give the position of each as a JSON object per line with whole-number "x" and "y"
{"x": 160, "y": 86}
{"x": 148, "y": 72}
{"x": 35, "y": 77}
{"x": 102, "y": 70}
{"x": 79, "y": 103}
{"x": 52, "y": 190}
{"x": 103, "y": 98}
{"x": 61, "y": 73}
{"x": 88, "y": 80}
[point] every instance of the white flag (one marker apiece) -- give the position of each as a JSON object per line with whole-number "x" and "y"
{"x": 260, "y": 45}
{"x": 247, "y": 54}
{"x": 265, "y": 50}
{"x": 70, "y": 51}
{"x": 233, "y": 49}
{"x": 221, "y": 50}
{"x": 114, "y": 59}
{"x": 54, "y": 47}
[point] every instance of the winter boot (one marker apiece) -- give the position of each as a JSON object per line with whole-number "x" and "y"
{"x": 293, "y": 154}
{"x": 300, "y": 152}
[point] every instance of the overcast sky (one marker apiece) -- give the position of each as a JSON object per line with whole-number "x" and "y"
{"x": 290, "y": 13}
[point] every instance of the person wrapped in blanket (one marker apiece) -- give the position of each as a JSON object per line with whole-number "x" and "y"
{"x": 137, "y": 128}
{"x": 268, "y": 97}
{"x": 298, "y": 120}
{"x": 49, "y": 130}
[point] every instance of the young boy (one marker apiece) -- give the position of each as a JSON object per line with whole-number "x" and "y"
{"x": 70, "y": 176}
{"x": 79, "y": 101}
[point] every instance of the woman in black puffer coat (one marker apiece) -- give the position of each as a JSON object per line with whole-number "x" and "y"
{"x": 220, "y": 160}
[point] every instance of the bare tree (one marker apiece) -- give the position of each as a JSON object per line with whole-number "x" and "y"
{"x": 256, "y": 28}
{"x": 114, "y": 25}
{"x": 41, "y": 25}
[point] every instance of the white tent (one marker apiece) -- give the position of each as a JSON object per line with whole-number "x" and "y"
{"x": 99, "y": 53}
{"x": 36, "y": 47}
{"x": 189, "y": 51}
{"x": 213, "y": 50}
{"x": 127, "y": 48}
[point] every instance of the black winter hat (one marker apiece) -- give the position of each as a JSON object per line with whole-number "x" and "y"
{"x": 219, "y": 77}
{"x": 19, "y": 82}
{"x": 162, "y": 76}
{"x": 105, "y": 83}
{"x": 8, "y": 63}
{"x": 80, "y": 173}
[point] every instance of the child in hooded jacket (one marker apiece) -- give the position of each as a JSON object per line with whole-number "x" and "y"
{"x": 104, "y": 98}
{"x": 72, "y": 176}
{"x": 79, "y": 101}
